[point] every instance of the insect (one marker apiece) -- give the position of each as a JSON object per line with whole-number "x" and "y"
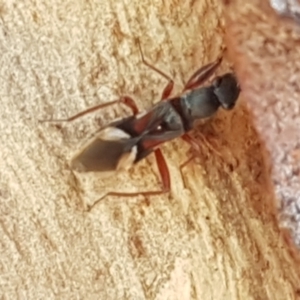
{"x": 124, "y": 143}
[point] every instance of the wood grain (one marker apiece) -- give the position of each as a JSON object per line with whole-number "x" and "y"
{"x": 214, "y": 237}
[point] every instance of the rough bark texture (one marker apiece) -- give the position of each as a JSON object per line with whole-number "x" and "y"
{"x": 214, "y": 237}
{"x": 266, "y": 56}
{"x": 289, "y": 9}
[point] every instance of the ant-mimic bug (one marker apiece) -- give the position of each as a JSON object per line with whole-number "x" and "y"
{"x": 127, "y": 141}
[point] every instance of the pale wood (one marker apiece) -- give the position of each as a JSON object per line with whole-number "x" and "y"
{"x": 214, "y": 237}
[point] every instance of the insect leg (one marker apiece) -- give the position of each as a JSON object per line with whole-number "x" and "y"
{"x": 128, "y": 101}
{"x": 189, "y": 139}
{"x": 202, "y": 74}
{"x": 169, "y": 87}
{"x": 165, "y": 177}
{"x": 183, "y": 165}
{"x": 195, "y": 145}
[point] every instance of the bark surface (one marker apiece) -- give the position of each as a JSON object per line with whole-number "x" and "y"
{"x": 266, "y": 56}
{"x": 214, "y": 237}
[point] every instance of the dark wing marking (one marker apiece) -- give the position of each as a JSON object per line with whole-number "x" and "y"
{"x": 104, "y": 152}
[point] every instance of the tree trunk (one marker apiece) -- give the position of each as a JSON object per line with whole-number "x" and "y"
{"x": 266, "y": 56}
{"x": 215, "y": 236}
